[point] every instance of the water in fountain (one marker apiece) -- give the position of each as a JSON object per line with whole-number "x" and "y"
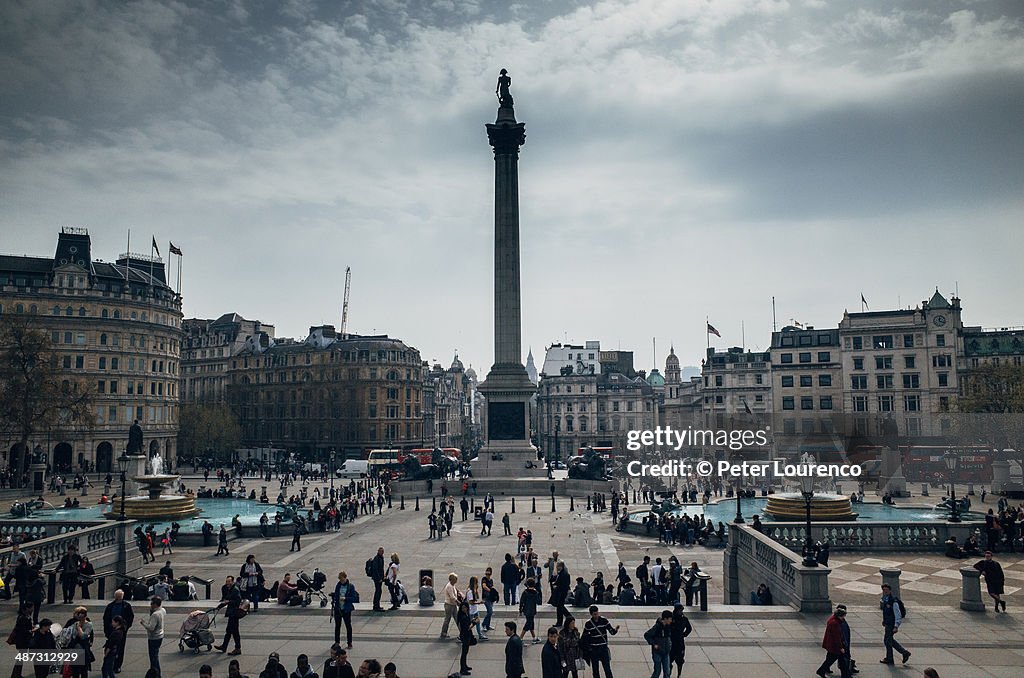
{"x": 156, "y": 465}
{"x": 153, "y": 503}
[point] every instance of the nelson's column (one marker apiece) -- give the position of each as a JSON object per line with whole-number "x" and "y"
{"x": 507, "y": 388}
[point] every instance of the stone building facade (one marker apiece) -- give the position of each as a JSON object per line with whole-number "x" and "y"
{"x": 735, "y": 382}
{"x": 207, "y": 349}
{"x": 350, "y": 394}
{"x": 115, "y": 327}
{"x": 449, "y": 418}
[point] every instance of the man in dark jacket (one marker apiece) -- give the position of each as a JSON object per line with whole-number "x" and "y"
{"x": 595, "y": 636}
{"x": 659, "y": 637}
{"x": 68, "y": 567}
{"x": 560, "y": 592}
{"x": 994, "y": 579}
{"x": 119, "y": 607}
{"x": 643, "y": 575}
{"x": 24, "y": 575}
{"x": 836, "y": 647}
{"x": 513, "y": 652}
{"x": 892, "y": 617}
{"x": 232, "y": 600}
{"x": 377, "y": 574}
{"x": 510, "y": 580}
{"x": 550, "y": 663}
{"x": 338, "y": 665}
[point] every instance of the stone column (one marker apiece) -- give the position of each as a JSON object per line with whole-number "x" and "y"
{"x": 1000, "y": 475}
{"x": 970, "y": 590}
{"x": 891, "y": 576}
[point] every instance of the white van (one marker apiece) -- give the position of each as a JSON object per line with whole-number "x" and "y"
{"x": 352, "y": 468}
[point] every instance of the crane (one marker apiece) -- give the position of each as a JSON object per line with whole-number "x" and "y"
{"x": 344, "y": 306}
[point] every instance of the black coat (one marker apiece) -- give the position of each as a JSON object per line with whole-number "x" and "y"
{"x": 514, "y": 657}
{"x": 465, "y": 628}
{"x": 550, "y": 662}
{"x": 560, "y": 590}
{"x": 127, "y": 613}
{"x": 509, "y": 574}
{"x": 377, "y": 568}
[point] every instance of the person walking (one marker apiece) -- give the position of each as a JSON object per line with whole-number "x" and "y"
{"x": 473, "y": 598}
{"x": 154, "y": 625}
{"x": 391, "y": 579}
{"x": 21, "y": 636}
{"x": 569, "y": 649}
{"x": 509, "y": 576}
{"x": 36, "y": 593}
{"x": 114, "y": 642}
{"x": 43, "y": 641}
{"x": 489, "y": 596}
{"x": 376, "y": 572}
{"x": 513, "y": 652}
{"x": 994, "y": 579}
{"x": 82, "y": 636}
{"x": 659, "y": 637}
{"x": 452, "y": 598}
{"x": 232, "y": 602}
{"x": 119, "y": 607}
{"x": 250, "y": 577}
{"x": 69, "y": 566}
{"x": 506, "y": 523}
{"x": 86, "y": 575}
{"x": 595, "y": 638}
{"x": 466, "y": 637}
{"x": 892, "y": 616}
{"x": 298, "y": 529}
{"x": 222, "y": 541}
{"x": 550, "y": 662}
{"x": 681, "y": 628}
{"x": 528, "y": 604}
{"x": 560, "y": 592}
{"x": 837, "y": 648}
{"x": 344, "y": 600}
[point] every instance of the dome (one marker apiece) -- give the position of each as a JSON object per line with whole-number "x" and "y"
{"x": 655, "y": 378}
{"x": 672, "y": 360}
{"x": 471, "y": 373}
{"x": 457, "y": 364}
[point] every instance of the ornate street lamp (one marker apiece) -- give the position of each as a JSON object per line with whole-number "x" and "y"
{"x": 122, "y": 464}
{"x": 333, "y": 455}
{"x": 738, "y": 459}
{"x": 952, "y": 459}
{"x": 807, "y": 490}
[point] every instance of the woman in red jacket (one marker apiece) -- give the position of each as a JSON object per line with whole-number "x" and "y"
{"x": 836, "y": 644}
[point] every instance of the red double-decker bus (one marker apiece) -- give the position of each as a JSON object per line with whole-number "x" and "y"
{"x": 426, "y": 454}
{"x": 926, "y": 464}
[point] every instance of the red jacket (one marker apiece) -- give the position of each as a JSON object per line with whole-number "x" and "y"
{"x": 833, "y": 640}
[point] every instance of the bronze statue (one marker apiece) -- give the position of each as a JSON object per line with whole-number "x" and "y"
{"x": 501, "y": 91}
{"x": 134, "y": 439}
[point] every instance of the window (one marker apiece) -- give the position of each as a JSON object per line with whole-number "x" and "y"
{"x": 942, "y": 361}
{"x": 101, "y": 386}
{"x": 806, "y": 380}
{"x": 113, "y": 386}
{"x": 912, "y": 403}
{"x": 884, "y": 381}
{"x": 940, "y": 339}
{"x": 787, "y": 340}
{"x": 787, "y": 358}
{"x": 807, "y": 403}
{"x": 103, "y": 339}
{"x": 787, "y": 381}
{"x": 805, "y": 340}
{"x": 943, "y": 379}
{"x": 883, "y": 362}
{"x": 824, "y": 357}
{"x": 858, "y": 363}
{"x": 911, "y": 381}
{"x": 859, "y": 383}
{"x": 943, "y": 403}
{"x": 113, "y": 363}
{"x": 908, "y": 341}
{"x": 79, "y": 362}
{"x": 759, "y": 399}
{"x": 718, "y": 400}
{"x": 718, "y": 380}
{"x": 885, "y": 403}
{"x": 787, "y": 403}
{"x": 789, "y": 426}
{"x": 860, "y": 404}
{"x": 913, "y": 426}
{"x": 824, "y": 380}
{"x": 824, "y": 340}
{"x": 825, "y": 403}
{"x": 66, "y": 362}
{"x": 882, "y": 341}
{"x": 759, "y": 379}
{"x": 568, "y": 425}
{"x": 909, "y": 362}
{"x": 103, "y": 363}
{"x": 805, "y": 357}
{"x": 858, "y": 343}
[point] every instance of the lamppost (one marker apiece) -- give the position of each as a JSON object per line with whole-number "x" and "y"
{"x": 737, "y": 459}
{"x": 807, "y": 490}
{"x": 952, "y": 459}
{"x": 333, "y": 454}
{"x": 122, "y": 464}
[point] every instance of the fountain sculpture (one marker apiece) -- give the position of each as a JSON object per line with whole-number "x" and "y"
{"x": 152, "y": 503}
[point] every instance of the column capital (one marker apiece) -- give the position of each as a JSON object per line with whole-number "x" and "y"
{"x": 506, "y": 138}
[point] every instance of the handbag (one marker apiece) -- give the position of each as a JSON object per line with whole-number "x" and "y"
{"x": 581, "y": 664}
{"x": 10, "y": 639}
{"x": 472, "y": 640}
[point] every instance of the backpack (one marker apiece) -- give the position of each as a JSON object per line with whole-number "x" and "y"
{"x": 903, "y": 608}
{"x": 639, "y": 573}
{"x": 66, "y": 636}
{"x": 243, "y": 609}
{"x": 368, "y": 568}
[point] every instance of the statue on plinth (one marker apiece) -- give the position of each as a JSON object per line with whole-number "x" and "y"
{"x": 501, "y": 90}
{"x": 134, "y": 439}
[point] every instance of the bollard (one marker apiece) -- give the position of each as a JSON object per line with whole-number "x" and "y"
{"x": 51, "y": 587}
{"x": 433, "y": 504}
{"x": 417, "y": 502}
{"x": 703, "y": 588}
{"x": 970, "y": 590}
{"x": 634, "y": 496}
{"x": 552, "y": 503}
{"x": 970, "y": 489}
{"x": 534, "y": 509}
{"x": 472, "y": 504}
{"x": 588, "y": 502}
{"x": 924, "y": 489}
{"x": 513, "y": 504}
{"x": 572, "y": 504}
{"x": 402, "y": 506}
{"x": 891, "y": 576}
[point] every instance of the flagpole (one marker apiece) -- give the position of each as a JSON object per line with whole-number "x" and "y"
{"x": 707, "y": 331}
{"x": 152, "y": 260}
{"x": 128, "y": 259}
{"x": 743, "y": 335}
{"x": 774, "y": 327}
{"x": 179, "y": 275}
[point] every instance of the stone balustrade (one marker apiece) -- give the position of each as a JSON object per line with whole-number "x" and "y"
{"x": 752, "y": 558}
{"x": 109, "y": 545}
{"x": 872, "y": 535}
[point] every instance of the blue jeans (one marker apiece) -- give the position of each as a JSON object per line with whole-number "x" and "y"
{"x": 107, "y": 671}
{"x": 510, "y": 593}
{"x": 490, "y": 611}
{"x": 662, "y": 664}
{"x": 253, "y": 594}
{"x": 154, "y": 653}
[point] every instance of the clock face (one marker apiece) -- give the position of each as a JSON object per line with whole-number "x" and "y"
{"x": 939, "y": 320}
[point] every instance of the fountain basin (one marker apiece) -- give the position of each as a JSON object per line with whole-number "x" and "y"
{"x": 791, "y": 506}
{"x": 164, "y": 507}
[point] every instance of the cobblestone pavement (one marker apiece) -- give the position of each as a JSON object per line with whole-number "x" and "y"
{"x": 727, "y": 641}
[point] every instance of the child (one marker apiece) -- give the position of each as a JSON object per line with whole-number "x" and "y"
{"x": 528, "y": 603}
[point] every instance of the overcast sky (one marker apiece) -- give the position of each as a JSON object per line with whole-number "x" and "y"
{"x": 684, "y": 158}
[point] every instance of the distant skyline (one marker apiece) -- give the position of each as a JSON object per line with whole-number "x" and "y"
{"x": 684, "y": 159}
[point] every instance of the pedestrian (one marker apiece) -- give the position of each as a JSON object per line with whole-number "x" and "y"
{"x": 595, "y": 639}
{"x": 489, "y": 596}
{"x": 513, "y": 652}
{"x": 681, "y": 628}
{"x": 82, "y": 636}
{"x": 643, "y": 575}
{"x": 231, "y": 600}
{"x": 391, "y": 578}
{"x": 452, "y": 598}
{"x": 370, "y": 668}
{"x": 994, "y": 579}
{"x": 86, "y": 574}
{"x": 337, "y": 666}
{"x": 390, "y": 670}
{"x": 273, "y": 667}
{"x": 207, "y": 530}
{"x": 298, "y": 529}
{"x": 113, "y": 644}
{"x": 303, "y": 669}
{"x": 344, "y": 600}
{"x": 119, "y": 607}
{"x": 466, "y": 637}
{"x": 659, "y": 637}
{"x": 560, "y": 592}
{"x": 69, "y": 566}
{"x": 21, "y": 636}
{"x": 892, "y": 616}
{"x": 507, "y": 524}
{"x": 569, "y": 649}
{"x": 550, "y": 662}
{"x": 473, "y": 598}
{"x": 43, "y": 641}
{"x": 375, "y": 570}
{"x": 837, "y": 648}
{"x": 426, "y": 595}
{"x": 264, "y": 522}
{"x": 509, "y": 579}
{"x": 528, "y": 604}
{"x": 36, "y": 593}
{"x": 222, "y": 541}
{"x": 250, "y": 577}
{"x": 234, "y": 670}
{"x": 154, "y": 625}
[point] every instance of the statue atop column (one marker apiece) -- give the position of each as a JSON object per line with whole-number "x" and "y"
{"x": 501, "y": 90}
{"x": 134, "y": 439}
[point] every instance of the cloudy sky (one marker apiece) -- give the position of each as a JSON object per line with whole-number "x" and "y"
{"x": 684, "y": 158}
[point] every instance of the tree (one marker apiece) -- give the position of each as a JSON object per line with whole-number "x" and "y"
{"x": 208, "y": 427}
{"x": 35, "y": 394}
{"x": 992, "y": 410}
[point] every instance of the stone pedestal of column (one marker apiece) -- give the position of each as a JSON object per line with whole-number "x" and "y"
{"x": 891, "y": 576}
{"x": 1000, "y": 475}
{"x": 970, "y": 590}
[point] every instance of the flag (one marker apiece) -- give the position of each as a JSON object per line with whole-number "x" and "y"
{"x": 155, "y": 246}
{"x": 864, "y": 301}
{"x": 712, "y": 330}
{"x": 174, "y": 250}
{"x": 747, "y": 407}
{"x": 797, "y": 323}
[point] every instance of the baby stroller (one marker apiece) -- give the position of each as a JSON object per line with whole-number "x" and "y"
{"x": 195, "y": 630}
{"x": 310, "y": 586}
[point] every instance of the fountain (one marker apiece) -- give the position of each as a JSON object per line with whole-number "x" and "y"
{"x": 790, "y": 506}
{"x": 152, "y": 503}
